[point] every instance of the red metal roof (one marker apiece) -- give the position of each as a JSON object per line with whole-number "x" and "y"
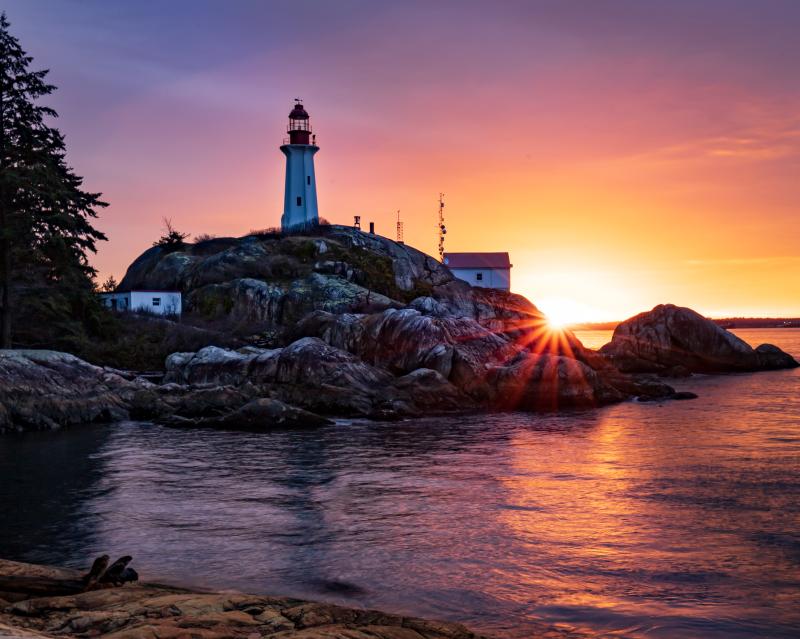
{"x": 477, "y": 260}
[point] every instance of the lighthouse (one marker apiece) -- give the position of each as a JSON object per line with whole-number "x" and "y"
{"x": 300, "y": 199}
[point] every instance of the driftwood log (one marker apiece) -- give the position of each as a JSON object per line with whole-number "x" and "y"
{"x": 101, "y": 575}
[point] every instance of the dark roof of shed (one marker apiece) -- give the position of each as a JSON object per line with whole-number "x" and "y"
{"x": 477, "y": 260}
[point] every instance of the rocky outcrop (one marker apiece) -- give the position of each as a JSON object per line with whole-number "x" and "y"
{"x": 248, "y": 389}
{"x": 519, "y": 364}
{"x": 385, "y": 365}
{"x": 389, "y": 316}
{"x": 45, "y": 390}
{"x": 266, "y": 282}
{"x": 151, "y": 610}
{"x": 671, "y": 339}
{"x": 770, "y": 357}
{"x": 319, "y": 377}
{"x": 352, "y": 324}
{"x": 540, "y": 382}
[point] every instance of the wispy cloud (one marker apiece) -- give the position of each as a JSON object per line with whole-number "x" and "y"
{"x": 765, "y": 142}
{"x": 744, "y": 261}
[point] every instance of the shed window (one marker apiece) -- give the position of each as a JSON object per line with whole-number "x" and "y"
{"x": 479, "y": 277}
{"x": 156, "y": 301}
{"x": 299, "y": 201}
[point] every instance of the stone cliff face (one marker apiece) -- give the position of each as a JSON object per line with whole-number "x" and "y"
{"x": 672, "y": 338}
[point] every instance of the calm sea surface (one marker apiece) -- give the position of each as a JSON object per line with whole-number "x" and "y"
{"x": 672, "y": 520}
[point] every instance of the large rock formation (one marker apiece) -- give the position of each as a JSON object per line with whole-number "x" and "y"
{"x": 346, "y": 332}
{"x": 672, "y": 338}
{"x": 519, "y": 364}
{"x": 318, "y": 377}
{"x": 250, "y": 389}
{"x": 43, "y": 390}
{"x": 47, "y": 390}
{"x": 263, "y": 283}
{"x": 395, "y": 333}
{"x": 342, "y": 329}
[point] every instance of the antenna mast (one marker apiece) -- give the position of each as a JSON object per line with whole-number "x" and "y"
{"x": 399, "y": 228}
{"x": 442, "y": 229}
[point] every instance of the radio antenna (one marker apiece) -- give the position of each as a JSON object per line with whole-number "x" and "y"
{"x": 442, "y": 229}
{"x": 399, "y": 228}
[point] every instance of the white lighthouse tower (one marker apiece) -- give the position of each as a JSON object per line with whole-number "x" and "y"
{"x": 300, "y": 201}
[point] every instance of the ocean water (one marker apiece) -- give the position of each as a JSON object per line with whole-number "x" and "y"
{"x": 671, "y": 520}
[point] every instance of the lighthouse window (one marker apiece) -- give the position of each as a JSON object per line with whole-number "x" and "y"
{"x": 299, "y": 201}
{"x": 308, "y": 179}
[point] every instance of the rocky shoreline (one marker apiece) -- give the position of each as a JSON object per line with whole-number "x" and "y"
{"x": 156, "y": 611}
{"x": 314, "y": 379}
{"x": 145, "y": 610}
{"x": 349, "y": 324}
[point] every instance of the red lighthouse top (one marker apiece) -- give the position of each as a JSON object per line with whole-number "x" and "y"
{"x": 299, "y": 124}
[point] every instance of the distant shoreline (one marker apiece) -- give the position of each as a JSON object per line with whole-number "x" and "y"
{"x": 727, "y": 322}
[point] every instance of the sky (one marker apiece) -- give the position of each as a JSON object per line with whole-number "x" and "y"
{"x": 625, "y": 153}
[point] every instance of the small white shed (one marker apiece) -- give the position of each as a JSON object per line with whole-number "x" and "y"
{"x": 489, "y": 270}
{"x": 156, "y": 302}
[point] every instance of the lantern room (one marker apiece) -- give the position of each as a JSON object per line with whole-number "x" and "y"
{"x": 299, "y": 125}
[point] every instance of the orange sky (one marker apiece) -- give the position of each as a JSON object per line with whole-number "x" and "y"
{"x": 624, "y": 157}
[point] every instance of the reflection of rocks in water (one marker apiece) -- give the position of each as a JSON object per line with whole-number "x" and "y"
{"x": 342, "y": 588}
{"x": 46, "y": 481}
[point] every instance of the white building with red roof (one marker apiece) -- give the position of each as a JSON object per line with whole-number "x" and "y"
{"x": 490, "y": 270}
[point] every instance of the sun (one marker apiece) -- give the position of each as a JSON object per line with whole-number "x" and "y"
{"x": 561, "y": 313}
{"x": 557, "y": 319}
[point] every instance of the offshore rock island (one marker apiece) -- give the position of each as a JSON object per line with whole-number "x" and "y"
{"x": 341, "y": 323}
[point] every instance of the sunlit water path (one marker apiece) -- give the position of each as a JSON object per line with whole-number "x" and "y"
{"x": 674, "y": 520}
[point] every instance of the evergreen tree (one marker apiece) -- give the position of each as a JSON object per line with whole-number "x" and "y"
{"x": 172, "y": 239}
{"x": 110, "y": 285}
{"x": 45, "y": 216}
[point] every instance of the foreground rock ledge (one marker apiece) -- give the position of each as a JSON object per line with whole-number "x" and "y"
{"x": 151, "y": 610}
{"x": 155, "y": 611}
